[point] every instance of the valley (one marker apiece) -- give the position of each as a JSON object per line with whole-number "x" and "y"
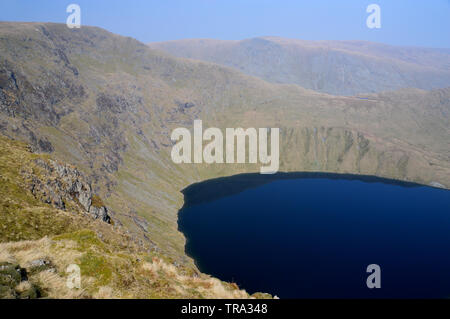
{"x": 107, "y": 104}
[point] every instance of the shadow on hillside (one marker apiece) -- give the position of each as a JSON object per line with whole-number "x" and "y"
{"x": 216, "y": 188}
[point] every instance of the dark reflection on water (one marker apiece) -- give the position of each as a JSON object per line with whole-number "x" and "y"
{"x": 312, "y": 235}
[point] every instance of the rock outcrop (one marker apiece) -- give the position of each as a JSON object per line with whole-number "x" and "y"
{"x": 65, "y": 187}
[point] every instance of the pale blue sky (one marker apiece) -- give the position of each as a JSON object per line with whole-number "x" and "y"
{"x": 404, "y": 22}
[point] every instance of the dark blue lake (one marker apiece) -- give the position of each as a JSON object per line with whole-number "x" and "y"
{"x": 308, "y": 235}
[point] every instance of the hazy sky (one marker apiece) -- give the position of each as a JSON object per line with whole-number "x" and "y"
{"x": 403, "y": 22}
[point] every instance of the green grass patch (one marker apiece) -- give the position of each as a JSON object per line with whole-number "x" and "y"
{"x": 96, "y": 266}
{"x": 85, "y": 239}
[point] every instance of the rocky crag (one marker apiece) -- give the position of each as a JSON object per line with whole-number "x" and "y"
{"x": 64, "y": 186}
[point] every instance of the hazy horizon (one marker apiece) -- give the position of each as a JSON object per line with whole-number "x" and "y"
{"x": 403, "y": 23}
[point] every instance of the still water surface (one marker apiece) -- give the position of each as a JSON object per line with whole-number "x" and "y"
{"x": 313, "y": 235}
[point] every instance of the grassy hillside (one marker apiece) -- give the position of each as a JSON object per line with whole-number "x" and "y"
{"x": 108, "y": 105}
{"x": 22, "y": 216}
{"x": 39, "y": 242}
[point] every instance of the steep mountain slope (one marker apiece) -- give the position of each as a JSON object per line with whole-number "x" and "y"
{"x": 49, "y": 220}
{"x": 336, "y": 67}
{"x": 108, "y": 105}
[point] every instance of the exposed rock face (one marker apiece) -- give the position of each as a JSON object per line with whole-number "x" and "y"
{"x": 63, "y": 186}
{"x": 100, "y": 212}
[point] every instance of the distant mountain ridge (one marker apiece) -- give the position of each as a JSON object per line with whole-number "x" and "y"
{"x": 335, "y": 67}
